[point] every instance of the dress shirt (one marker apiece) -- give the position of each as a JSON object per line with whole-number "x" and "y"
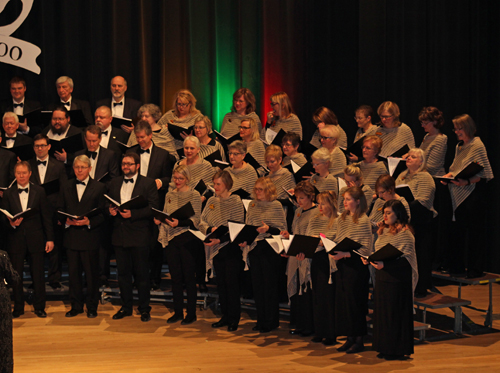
{"x": 93, "y": 163}
{"x": 54, "y": 136}
{"x": 80, "y": 188}
{"x": 9, "y": 141}
{"x": 127, "y": 189}
{"x": 67, "y": 104}
{"x": 145, "y": 158}
{"x": 19, "y": 110}
{"x": 23, "y": 197}
{"x": 117, "y": 110}
{"x": 42, "y": 168}
{"x": 105, "y": 138}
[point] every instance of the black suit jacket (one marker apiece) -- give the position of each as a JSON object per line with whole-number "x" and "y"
{"x": 117, "y": 135}
{"x": 76, "y": 104}
{"x": 72, "y": 131}
{"x": 20, "y": 140}
{"x": 138, "y": 229}
{"x": 55, "y": 171}
{"x": 130, "y": 109}
{"x": 7, "y": 162}
{"x": 29, "y": 106}
{"x": 81, "y": 237}
{"x": 107, "y": 162}
{"x": 160, "y": 165}
{"x": 33, "y": 231}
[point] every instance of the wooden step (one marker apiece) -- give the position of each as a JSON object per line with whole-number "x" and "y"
{"x": 436, "y": 301}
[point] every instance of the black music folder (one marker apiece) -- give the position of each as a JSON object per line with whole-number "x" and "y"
{"x": 23, "y": 152}
{"x": 77, "y": 118}
{"x": 385, "y": 253}
{"x": 51, "y": 187}
{"x": 70, "y": 144}
{"x": 182, "y": 213}
{"x": 138, "y": 202}
{"x": 226, "y": 141}
{"x": 404, "y": 191}
{"x": 299, "y": 243}
{"x": 240, "y": 232}
{"x": 217, "y": 234}
{"x": 117, "y": 122}
{"x": 23, "y": 214}
{"x": 356, "y": 149}
{"x": 176, "y": 131}
{"x": 299, "y": 172}
{"x": 471, "y": 170}
{"x": 346, "y": 245}
{"x": 89, "y": 214}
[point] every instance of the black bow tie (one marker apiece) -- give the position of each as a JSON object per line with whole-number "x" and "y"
{"x": 78, "y": 182}
{"x": 104, "y": 133}
{"x": 117, "y": 104}
{"x": 66, "y": 103}
{"x": 143, "y": 151}
{"x": 128, "y": 181}
{"x": 10, "y": 138}
{"x": 18, "y": 105}
{"x": 39, "y": 162}
{"x": 92, "y": 155}
{"x": 20, "y": 190}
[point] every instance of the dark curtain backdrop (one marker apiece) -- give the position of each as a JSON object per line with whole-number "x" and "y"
{"x": 338, "y": 54}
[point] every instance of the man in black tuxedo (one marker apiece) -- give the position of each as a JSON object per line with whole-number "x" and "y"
{"x": 110, "y": 134}
{"x": 79, "y": 197}
{"x": 10, "y": 124}
{"x": 120, "y": 106}
{"x": 44, "y": 170}
{"x": 104, "y": 162}
{"x": 21, "y": 105}
{"x": 64, "y": 86}
{"x": 132, "y": 231}
{"x": 31, "y": 235}
{"x": 7, "y": 163}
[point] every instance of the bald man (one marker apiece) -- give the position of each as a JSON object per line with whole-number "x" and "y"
{"x": 120, "y": 106}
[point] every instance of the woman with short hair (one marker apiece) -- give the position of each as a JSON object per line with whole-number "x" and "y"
{"x": 370, "y": 166}
{"x": 323, "y": 180}
{"x": 290, "y": 145}
{"x": 393, "y": 133}
{"x": 354, "y": 177}
{"x": 244, "y": 175}
{"x": 208, "y": 145}
{"x": 325, "y": 117}
{"x": 329, "y": 140}
{"x": 243, "y": 107}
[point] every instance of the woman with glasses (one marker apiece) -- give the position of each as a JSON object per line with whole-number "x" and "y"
{"x": 243, "y": 107}
{"x": 385, "y": 189}
{"x": 393, "y": 133}
{"x": 184, "y": 114}
{"x": 290, "y": 145}
{"x": 249, "y": 132}
{"x": 363, "y": 117}
{"x": 182, "y": 248}
{"x": 469, "y": 202}
{"x": 329, "y": 140}
{"x": 354, "y": 177}
{"x": 323, "y": 180}
{"x": 281, "y": 177}
{"x": 325, "y": 117}
{"x": 370, "y": 166}
{"x": 281, "y": 116}
{"x": 244, "y": 175}
{"x": 208, "y": 145}
{"x": 267, "y": 214}
{"x": 161, "y": 135}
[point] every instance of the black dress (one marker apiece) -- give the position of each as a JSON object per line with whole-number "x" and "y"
{"x": 8, "y": 274}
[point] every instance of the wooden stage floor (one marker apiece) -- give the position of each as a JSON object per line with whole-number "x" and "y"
{"x": 60, "y": 344}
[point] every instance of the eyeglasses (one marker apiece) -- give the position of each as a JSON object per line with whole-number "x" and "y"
{"x": 359, "y": 118}
{"x": 39, "y": 146}
{"x": 244, "y": 128}
{"x": 182, "y": 104}
{"x": 325, "y": 137}
{"x": 128, "y": 164}
{"x": 234, "y": 154}
{"x": 179, "y": 178}
{"x": 79, "y": 168}
{"x": 258, "y": 189}
{"x": 274, "y": 103}
{"x": 286, "y": 144}
{"x": 456, "y": 129}
{"x": 386, "y": 116}
{"x": 199, "y": 128}
{"x": 318, "y": 163}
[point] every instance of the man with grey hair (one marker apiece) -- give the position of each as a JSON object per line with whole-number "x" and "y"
{"x": 110, "y": 134}
{"x": 64, "y": 86}
{"x": 83, "y": 198}
{"x": 10, "y": 124}
{"x": 120, "y": 107}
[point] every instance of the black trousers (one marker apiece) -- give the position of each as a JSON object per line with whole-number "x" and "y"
{"x": 264, "y": 264}
{"x": 133, "y": 261}
{"x": 181, "y": 255}
{"x": 323, "y": 296}
{"x": 55, "y": 257}
{"x": 228, "y": 265}
{"x": 79, "y": 261}
{"x": 35, "y": 261}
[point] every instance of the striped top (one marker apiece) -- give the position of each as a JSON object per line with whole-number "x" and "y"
{"x": 329, "y": 182}
{"x": 342, "y": 141}
{"x": 299, "y": 226}
{"x": 371, "y": 172}
{"x": 231, "y": 122}
{"x": 243, "y": 178}
{"x": 291, "y": 124}
{"x": 170, "y": 118}
{"x": 422, "y": 186}
{"x": 201, "y": 170}
{"x": 212, "y": 147}
{"x": 474, "y": 151}
{"x": 173, "y": 201}
{"x": 377, "y": 214}
{"x": 434, "y": 148}
{"x": 394, "y": 139}
{"x": 269, "y": 212}
{"x": 366, "y": 190}
{"x": 361, "y": 232}
{"x": 360, "y": 134}
{"x": 162, "y": 139}
{"x": 298, "y": 158}
{"x": 404, "y": 242}
{"x": 319, "y": 224}
{"x": 337, "y": 162}
{"x": 257, "y": 150}
{"x": 282, "y": 178}
{"x": 216, "y": 213}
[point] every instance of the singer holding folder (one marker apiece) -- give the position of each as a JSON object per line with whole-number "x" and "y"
{"x": 396, "y": 280}
{"x": 181, "y": 247}
{"x": 226, "y": 256}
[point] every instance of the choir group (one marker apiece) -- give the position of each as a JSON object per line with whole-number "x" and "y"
{"x": 257, "y": 207}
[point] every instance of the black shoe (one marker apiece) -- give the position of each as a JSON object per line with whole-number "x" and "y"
{"x": 145, "y": 316}
{"x": 72, "y": 312}
{"x": 317, "y": 340}
{"x": 188, "y": 320}
{"x": 355, "y": 348}
{"x": 232, "y": 327}
{"x": 121, "y": 314}
{"x": 347, "y": 345}
{"x": 394, "y": 357}
{"x": 306, "y": 333}
{"x": 329, "y": 341}
{"x": 202, "y": 288}
{"x": 92, "y": 314}
{"x": 41, "y": 313}
{"x": 295, "y": 331}
{"x": 175, "y": 318}
{"x": 220, "y": 323}
{"x": 17, "y": 313}
{"x": 55, "y": 285}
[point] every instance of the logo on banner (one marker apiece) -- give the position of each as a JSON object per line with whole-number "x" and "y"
{"x": 15, "y": 51}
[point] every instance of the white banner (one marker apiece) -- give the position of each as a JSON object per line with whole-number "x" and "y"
{"x": 19, "y": 53}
